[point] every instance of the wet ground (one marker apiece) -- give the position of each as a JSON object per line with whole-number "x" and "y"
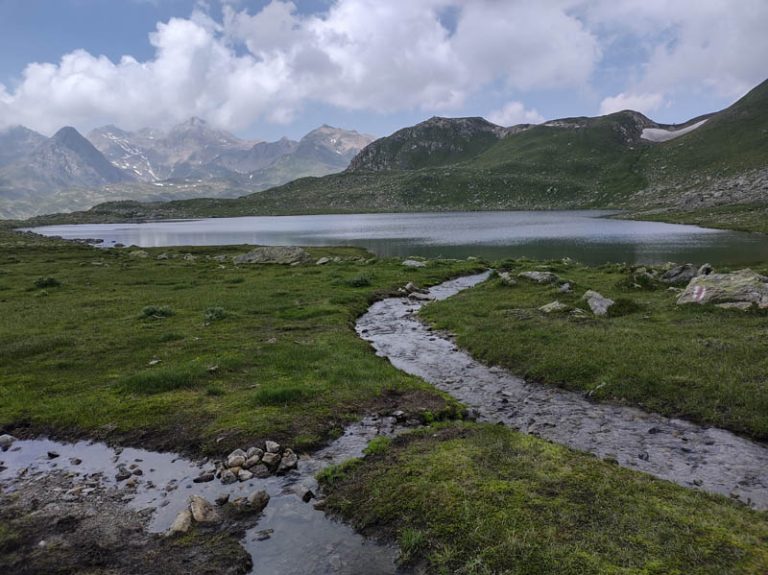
{"x": 710, "y": 459}
{"x": 291, "y": 537}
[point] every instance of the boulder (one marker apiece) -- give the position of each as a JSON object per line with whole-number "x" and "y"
{"x": 254, "y": 452}
{"x": 138, "y": 254}
{"x": 251, "y": 461}
{"x": 235, "y": 461}
{"x": 274, "y": 255}
{"x": 540, "y": 277}
{"x": 743, "y": 286}
{"x": 679, "y": 274}
{"x": 554, "y": 307}
{"x": 565, "y": 288}
{"x": 322, "y": 261}
{"x": 414, "y": 264}
{"x": 244, "y": 475}
{"x": 203, "y": 511}
{"x": 204, "y": 477}
{"x": 261, "y": 471}
{"x": 182, "y": 523}
{"x": 272, "y": 446}
{"x": 597, "y": 302}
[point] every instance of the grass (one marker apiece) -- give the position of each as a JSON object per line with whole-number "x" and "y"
{"x": 697, "y": 362}
{"x": 178, "y": 354}
{"x": 475, "y": 500}
{"x": 741, "y": 217}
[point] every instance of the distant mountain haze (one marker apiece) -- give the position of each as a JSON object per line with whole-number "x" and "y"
{"x": 69, "y": 172}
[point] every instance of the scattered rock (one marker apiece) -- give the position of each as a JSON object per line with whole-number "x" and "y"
{"x": 274, "y": 255}
{"x": 705, "y": 270}
{"x": 260, "y": 471}
{"x": 413, "y": 263}
{"x": 597, "y": 302}
{"x": 565, "y": 288}
{"x": 52, "y": 454}
{"x": 507, "y": 279}
{"x": 222, "y": 499}
{"x": 182, "y": 523}
{"x": 743, "y": 286}
{"x": 75, "y": 461}
{"x": 679, "y": 274}
{"x": 264, "y": 534}
{"x": 203, "y": 511}
{"x": 272, "y": 447}
{"x": 540, "y": 277}
{"x": 254, "y": 452}
{"x": 122, "y": 474}
{"x": 554, "y": 307}
{"x": 138, "y": 254}
{"x": 322, "y": 261}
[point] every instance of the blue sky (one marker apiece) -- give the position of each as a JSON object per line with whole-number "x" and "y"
{"x": 268, "y": 68}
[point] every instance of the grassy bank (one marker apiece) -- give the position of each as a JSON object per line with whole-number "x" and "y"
{"x": 193, "y": 353}
{"x": 740, "y": 217}
{"x": 697, "y": 362}
{"x": 483, "y": 499}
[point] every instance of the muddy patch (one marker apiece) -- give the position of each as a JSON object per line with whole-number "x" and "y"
{"x": 70, "y": 507}
{"x": 710, "y": 459}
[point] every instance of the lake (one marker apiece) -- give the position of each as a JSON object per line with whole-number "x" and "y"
{"x": 586, "y": 236}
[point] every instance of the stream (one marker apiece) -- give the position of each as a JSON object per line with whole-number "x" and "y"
{"x": 705, "y": 458}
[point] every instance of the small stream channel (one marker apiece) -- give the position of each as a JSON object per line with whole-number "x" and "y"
{"x": 302, "y": 540}
{"x": 710, "y": 459}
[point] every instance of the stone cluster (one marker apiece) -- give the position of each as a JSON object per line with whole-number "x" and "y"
{"x": 243, "y": 465}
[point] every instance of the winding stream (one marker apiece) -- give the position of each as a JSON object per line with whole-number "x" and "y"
{"x": 710, "y": 459}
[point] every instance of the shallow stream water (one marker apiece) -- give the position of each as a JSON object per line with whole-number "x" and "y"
{"x": 710, "y": 459}
{"x": 303, "y": 541}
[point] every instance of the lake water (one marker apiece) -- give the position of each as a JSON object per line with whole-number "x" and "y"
{"x": 586, "y": 236}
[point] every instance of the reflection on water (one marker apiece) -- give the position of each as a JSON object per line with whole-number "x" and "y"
{"x": 582, "y": 235}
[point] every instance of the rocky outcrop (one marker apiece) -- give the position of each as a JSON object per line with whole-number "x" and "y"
{"x": 274, "y": 255}
{"x": 741, "y": 289}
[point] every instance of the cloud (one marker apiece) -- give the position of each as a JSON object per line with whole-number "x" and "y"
{"x": 268, "y": 65}
{"x": 513, "y": 113}
{"x": 644, "y": 103}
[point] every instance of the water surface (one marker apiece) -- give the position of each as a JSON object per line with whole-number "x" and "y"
{"x": 586, "y": 236}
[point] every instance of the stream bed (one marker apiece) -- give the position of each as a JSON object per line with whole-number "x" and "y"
{"x": 291, "y": 537}
{"x": 705, "y": 458}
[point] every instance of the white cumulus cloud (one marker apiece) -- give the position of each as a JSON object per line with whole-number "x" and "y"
{"x": 644, "y": 103}
{"x": 270, "y": 64}
{"x": 513, "y": 113}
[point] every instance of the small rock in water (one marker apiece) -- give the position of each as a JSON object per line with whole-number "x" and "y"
{"x": 122, "y": 474}
{"x": 75, "y": 461}
{"x": 258, "y": 500}
{"x": 203, "y": 511}
{"x": 261, "y": 471}
{"x": 244, "y": 475}
{"x": 264, "y": 534}
{"x": 222, "y": 499}
{"x": 52, "y": 455}
{"x": 6, "y": 441}
{"x": 204, "y": 478}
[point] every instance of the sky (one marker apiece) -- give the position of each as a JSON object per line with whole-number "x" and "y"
{"x": 263, "y": 69}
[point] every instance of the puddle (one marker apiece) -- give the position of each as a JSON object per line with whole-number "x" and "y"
{"x": 710, "y": 459}
{"x": 303, "y": 540}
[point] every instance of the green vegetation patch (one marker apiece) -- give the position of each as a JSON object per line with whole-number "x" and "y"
{"x": 241, "y": 354}
{"x": 484, "y": 500}
{"x": 702, "y": 363}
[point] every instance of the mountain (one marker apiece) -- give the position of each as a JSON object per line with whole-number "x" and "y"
{"x": 16, "y": 142}
{"x": 191, "y": 160}
{"x": 435, "y": 142}
{"x": 717, "y": 162}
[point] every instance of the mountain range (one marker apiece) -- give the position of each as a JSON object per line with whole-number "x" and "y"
{"x": 710, "y": 169}
{"x": 68, "y": 171}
